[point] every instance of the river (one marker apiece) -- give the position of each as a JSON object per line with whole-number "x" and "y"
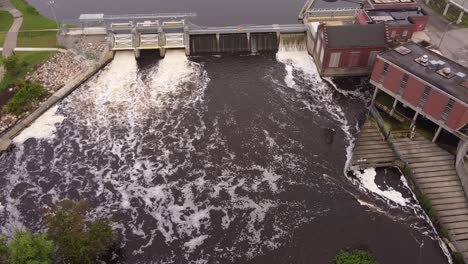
{"x": 215, "y": 159}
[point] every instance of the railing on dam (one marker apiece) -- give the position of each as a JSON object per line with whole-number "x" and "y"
{"x": 291, "y": 28}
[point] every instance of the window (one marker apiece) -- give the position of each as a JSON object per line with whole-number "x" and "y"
{"x": 405, "y": 33}
{"x": 372, "y": 57}
{"x": 424, "y": 97}
{"x": 447, "y": 110}
{"x": 384, "y": 73}
{"x": 334, "y": 60}
{"x": 393, "y": 34}
{"x": 403, "y": 84}
{"x": 322, "y": 53}
{"x": 319, "y": 44}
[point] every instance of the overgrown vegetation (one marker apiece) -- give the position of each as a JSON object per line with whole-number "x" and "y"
{"x": 79, "y": 241}
{"x": 32, "y": 22}
{"x": 6, "y": 19}
{"x": 19, "y": 65}
{"x": 27, "y": 97}
{"x": 70, "y": 239}
{"x": 452, "y": 14}
{"x": 355, "y": 257}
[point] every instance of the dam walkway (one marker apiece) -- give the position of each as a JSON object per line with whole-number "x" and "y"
{"x": 435, "y": 173}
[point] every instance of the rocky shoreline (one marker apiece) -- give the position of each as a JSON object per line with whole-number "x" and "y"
{"x": 57, "y": 71}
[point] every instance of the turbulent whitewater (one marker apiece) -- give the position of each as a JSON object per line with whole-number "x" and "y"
{"x": 209, "y": 160}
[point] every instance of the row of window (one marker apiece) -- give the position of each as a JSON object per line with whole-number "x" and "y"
{"x": 425, "y": 95}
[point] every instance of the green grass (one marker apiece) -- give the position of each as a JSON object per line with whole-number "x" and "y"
{"x": 355, "y": 257}
{"x": 33, "y": 20}
{"x": 37, "y": 39}
{"x": 6, "y": 19}
{"x": 26, "y": 62}
{"x": 452, "y": 14}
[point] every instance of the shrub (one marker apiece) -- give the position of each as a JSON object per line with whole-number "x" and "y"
{"x": 79, "y": 241}
{"x": 355, "y": 257}
{"x": 3, "y": 250}
{"x": 27, "y": 248}
{"x": 25, "y": 98}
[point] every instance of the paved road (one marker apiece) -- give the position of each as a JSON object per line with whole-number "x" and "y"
{"x": 455, "y": 44}
{"x": 12, "y": 35}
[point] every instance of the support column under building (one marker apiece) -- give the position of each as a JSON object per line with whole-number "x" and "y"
{"x": 437, "y": 134}
{"x": 375, "y": 95}
{"x": 446, "y": 9}
{"x": 414, "y": 119}
{"x": 460, "y": 17}
{"x": 393, "y": 107}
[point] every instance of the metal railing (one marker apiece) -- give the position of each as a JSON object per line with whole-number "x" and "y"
{"x": 334, "y": 12}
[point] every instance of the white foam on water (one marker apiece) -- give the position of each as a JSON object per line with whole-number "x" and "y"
{"x": 42, "y": 128}
{"x": 367, "y": 180}
{"x": 195, "y": 242}
{"x": 301, "y": 61}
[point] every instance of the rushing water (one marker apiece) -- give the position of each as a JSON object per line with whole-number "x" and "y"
{"x": 215, "y": 160}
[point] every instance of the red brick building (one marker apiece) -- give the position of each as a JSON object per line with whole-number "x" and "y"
{"x": 428, "y": 83}
{"x": 401, "y": 24}
{"x": 346, "y": 50}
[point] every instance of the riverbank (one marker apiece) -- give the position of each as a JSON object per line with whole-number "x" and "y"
{"x": 59, "y": 75}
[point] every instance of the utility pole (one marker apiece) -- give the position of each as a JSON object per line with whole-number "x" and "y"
{"x": 52, "y": 9}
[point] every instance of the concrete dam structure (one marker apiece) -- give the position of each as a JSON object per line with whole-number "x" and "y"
{"x": 173, "y": 31}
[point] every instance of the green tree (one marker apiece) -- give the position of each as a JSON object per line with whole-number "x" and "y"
{"x": 355, "y": 257}
{"x": 28, "y": 248}
{"x": 3, "y": 251}
{"x": 78, "y": 240}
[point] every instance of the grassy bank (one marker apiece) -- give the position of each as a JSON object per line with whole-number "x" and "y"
{"x": 33, "y": 21}
{"x": 452, "y": 14}
{"x": 6, "y": 19}
{"x": 26, "y": 95}
{"x": 25, "y": 62}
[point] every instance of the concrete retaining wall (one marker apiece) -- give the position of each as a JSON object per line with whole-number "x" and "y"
{"x": 7, "y": 138}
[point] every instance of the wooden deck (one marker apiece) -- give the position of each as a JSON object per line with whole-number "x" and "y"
{"x": 372, "y": 150}
{"x": 435, "y": 174}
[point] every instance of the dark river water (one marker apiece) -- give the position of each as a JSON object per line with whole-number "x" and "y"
{"x": 215, "y": 160}
{"x": 209, "y": 12}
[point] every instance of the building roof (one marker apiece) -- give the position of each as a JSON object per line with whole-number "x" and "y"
{"x": 356, "y": 35}
{"x": 454, "y": 85}
{"x": 332, "y": 4}
{"x": 395, "y": 17}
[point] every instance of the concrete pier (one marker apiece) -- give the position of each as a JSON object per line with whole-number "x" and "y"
{"x": 435, "y": 173}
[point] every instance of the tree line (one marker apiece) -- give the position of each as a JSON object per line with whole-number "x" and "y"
{"x": 70, "y": 238}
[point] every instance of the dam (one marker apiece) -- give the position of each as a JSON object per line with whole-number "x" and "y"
{"x": 174, "y": 31}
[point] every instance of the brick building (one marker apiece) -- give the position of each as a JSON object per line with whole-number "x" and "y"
{"x": 431, "y": 85}
{"x": 346, "y": 50}
{"x": 401, "y": 24}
